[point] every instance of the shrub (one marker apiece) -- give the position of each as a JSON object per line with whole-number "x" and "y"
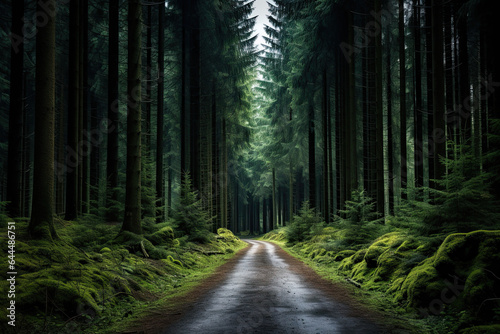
{"x": 303, "y": 226}
{"x": 191, "y": 219}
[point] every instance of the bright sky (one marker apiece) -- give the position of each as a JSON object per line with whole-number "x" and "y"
{"x": 260, "y": 9}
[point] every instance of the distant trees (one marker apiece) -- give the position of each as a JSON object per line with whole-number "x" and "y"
{"x": 389, "y": 100}
{"x": 348, "y": 97}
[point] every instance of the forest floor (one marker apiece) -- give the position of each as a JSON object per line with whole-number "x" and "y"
{"x": 263, "y": 289}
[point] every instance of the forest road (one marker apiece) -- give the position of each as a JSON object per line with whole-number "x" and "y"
{"x": 269, "y": 291}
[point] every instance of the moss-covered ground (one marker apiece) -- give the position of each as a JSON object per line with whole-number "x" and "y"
{"x": 91, "y": 281}
{"x": 440, "y": 284}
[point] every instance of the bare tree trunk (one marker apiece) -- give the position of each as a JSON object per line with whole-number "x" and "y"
{"x": 73, "y": 159}
{"x": 160, "y": 111}
{"x": 41, "y": 224}
{"x": 16, "y": 112}
{"x": 438, "y": 89}
{"x": 112, "y": 149}
{"x": 402, "y": 99}
{"x": 132, "y": 219}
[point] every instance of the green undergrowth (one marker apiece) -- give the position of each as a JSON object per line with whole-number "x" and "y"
{"x": 435, "y": 284}
{"x": 90, "y": 279}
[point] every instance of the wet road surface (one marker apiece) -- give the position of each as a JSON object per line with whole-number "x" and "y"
{"x": 264, "y": 293}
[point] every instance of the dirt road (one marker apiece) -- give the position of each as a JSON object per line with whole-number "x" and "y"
{"x": 268, "y": 291}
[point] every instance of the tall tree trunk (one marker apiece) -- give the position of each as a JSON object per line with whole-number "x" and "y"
{"x": 41, "y": 224}
{"x": 419, "y": 144}
{"x": 195, "y": 95}
{"x": 390, "y": 129}
{"x": 438, "y": 89}
{"x": 16, "y": 112}
{"x": 132, "y": 219}
{"x": 73, "y": 159}
{"x": 160, "y": 111}
{"x": 94, "y": 157}
{"x": 326, "y": 150}
{"x": 430, "y": 107}
{"x": 379, "y": 119}
{"x": 113, "y": 104}
{"x": 274, "y": 208}
{"x": 312, "y": 156}
{"x": 402, "y": 98}
{"x": 463, "y": 68}
{"x": 149, "y": 69}
{"x": 84, "y": 105}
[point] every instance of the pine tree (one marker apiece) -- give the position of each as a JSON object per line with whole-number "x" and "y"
{"x": 41, "y": 224}
{"x": 132, "y": 219}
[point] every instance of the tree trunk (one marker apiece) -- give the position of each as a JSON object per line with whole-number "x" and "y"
{"x": 84, "y": 105}
{"x": 160, "y": 111}
{"x": 73, "y": 159}
{"x": 312, "y": 157}
{"x": 390, "y": 130}
{"x": 402, "y": 99}
{"x": 113, "y": 104}
{"x": 326, "y": 151}
{"x": 438, "y": 89}
{"x": 16, "y": 112}
{"x": 41, "y": 224}
{"x": 195, "y": 95}
{"x": 419, "y": 144}
{"x": 274, "y": 208}
{"x": 132, "y": 219}
{"x": 379, "y": 119}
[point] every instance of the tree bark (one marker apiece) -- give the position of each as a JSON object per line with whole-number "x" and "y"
{"x": 73, "y": 159}
{"x": 41, "y": 224}
{"x": 113, "y": 104}
{"x": 160, "y": 109}
{"x": 132, "y": 219}
{"x": 16, "y": 112}
{"x": 438, "y": 89}
{"x": 402, "y": 99}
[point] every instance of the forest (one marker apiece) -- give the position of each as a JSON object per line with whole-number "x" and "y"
{"x": 141, "y": 142}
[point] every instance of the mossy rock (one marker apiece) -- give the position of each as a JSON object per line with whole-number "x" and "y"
{"x": 387, "y": 265}
{"x": 462, "y": 257}
{"x": 343, "y": 254}
{"x": 460, "y": 248}
{"x": 164, "y": 236}
{"x": 359, "y": 255}
{"x": 393, "y": 239}
{"x": 226, "y": 235}
{"x": 372, "y": 255}
{"x": 419, "y": 287}
{"x": 348, "y": 263}
{"x": 486, "y": 329}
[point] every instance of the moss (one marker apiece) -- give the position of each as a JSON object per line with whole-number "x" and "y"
{"x": 349, "y": 262}
{"x": 105, "y": 250}
{"x": 486, "y": 329}
{"x": 478, "y": 287}
{"x": 359, "y": 255}
{"x": 387, "y": 265}
{"x": 174, "y": 261}
{"x": 372, "y": 255}
{"x": 418, "y": 288}
{"x": 164, "y": 236}
{"x": 343, "y": 254}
